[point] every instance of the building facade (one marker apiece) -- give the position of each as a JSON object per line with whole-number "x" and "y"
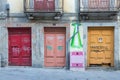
{"x": 37, "y": 33}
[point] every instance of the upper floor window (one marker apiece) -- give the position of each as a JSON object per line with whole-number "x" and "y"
{"x": 44, "y": 5}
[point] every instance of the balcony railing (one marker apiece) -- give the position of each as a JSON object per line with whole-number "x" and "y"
{"x": 43, "y": 6}
{"x": 99, "y": 5}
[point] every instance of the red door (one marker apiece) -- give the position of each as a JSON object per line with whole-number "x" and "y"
{"x": 44, "y": 5}
{"x": 55, "y": 47}
{"x": 19, "y": 46}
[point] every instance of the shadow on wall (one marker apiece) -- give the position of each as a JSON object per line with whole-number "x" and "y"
{"x": 119, "y": 61}
{"x": 3, "y": 63}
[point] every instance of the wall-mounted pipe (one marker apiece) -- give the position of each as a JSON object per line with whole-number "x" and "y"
{"x": 24, "y": 3}
{"x": 8, "y": 9}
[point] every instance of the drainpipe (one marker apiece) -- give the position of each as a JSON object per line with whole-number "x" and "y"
{"x": 68, "y": 41}
{"x": 8, "y": 10}
{"x": 24, "y": 3}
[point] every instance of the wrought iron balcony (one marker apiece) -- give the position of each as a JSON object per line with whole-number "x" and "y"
{"x": 99, "y": 5}
{"x": 46, "y": 8}
{"x": 99, "y": 8}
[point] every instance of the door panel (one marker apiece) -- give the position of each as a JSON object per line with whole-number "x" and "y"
{"x": 39, "y": 4}
{"x": 44, "y": 5}
{"x": 60, "y": 45}
{"x": 50, "y": 62}
{"x": 25, "y": 45}
{"x": 15, "y": 45}
{"x": 25, "y": 61}
{"x": 19, "y": 47}
{"x": 50, "y": 43}
{"x": 49, "y": 50}
{"x": 14, "y": 61}
{"x": 100, "y": 46}
{"x": 25, "y": 49}
{"x": 14, "y": 49}
{"x": 50, "y": 5}
{"x": 60, "y": 50}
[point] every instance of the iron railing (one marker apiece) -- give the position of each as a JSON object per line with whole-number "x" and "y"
{"x": 99, "y": 5}
{"x": 29, "y": 6}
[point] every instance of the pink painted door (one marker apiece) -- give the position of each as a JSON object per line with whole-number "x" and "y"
{"x": 60, "y": 50}
{"x": 49, "y": 50}
{"x": 54, "y": 50}
{"x": 44, "y": 5}
{"x": 19, "y": 47}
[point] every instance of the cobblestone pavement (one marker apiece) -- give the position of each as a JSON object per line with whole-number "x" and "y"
{"x": 56, "y": 74}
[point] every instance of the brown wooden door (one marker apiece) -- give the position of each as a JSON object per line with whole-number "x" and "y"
{"x": 54, "y": 49}
{"x": 100, "y": 46}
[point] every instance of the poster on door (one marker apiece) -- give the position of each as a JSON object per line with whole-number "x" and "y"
{"x": 76, "y": 48}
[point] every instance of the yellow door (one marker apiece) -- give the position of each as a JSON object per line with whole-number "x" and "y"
{"x": 100, "y": 46}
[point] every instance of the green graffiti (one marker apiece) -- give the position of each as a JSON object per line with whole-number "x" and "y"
{"x": 75, "y": 24}
{"x": 49, "y": 47}
{"x": 76, "y": 38}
